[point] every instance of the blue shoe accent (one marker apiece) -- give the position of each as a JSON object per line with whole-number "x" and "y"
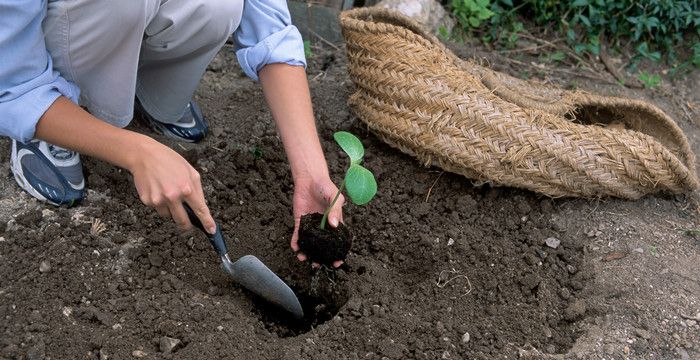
{"x": 48, "y": 172}
{"x": 191, "y": 127}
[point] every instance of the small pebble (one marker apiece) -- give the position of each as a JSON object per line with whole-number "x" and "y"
{"x": 552, "y": 242}
{"x": 138, "y": 354}
{"x": 450, "y": 242}
{"x": 644, "y": 334}
{"x": 168, "y": 344}
{"x": 638, "y": 250}
{"x": 44, "y": 267}
{"x": 213, "y": 290}
{"x": 691, "y": 322}
{"x": 465, "y": 338}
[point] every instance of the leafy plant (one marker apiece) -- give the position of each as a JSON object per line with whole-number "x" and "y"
{"x": 649, "y": 80}
{"x": 655, "y": 28}
{"x": 471, "y": 13}
{"x": 359, "y": 182}
{"x": 307, "y": 49}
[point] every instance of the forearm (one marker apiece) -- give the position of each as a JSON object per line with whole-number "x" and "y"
{"x": 287, "y": 93}
{"x": 67, "y": 125}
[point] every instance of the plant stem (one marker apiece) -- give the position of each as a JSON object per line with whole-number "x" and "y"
{"x": 328, "y": 209}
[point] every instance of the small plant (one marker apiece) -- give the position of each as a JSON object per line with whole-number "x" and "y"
{"x": 307, "y": 49}
{"x": 650, "y": 80}
{"x": 359, "y": 182}
{"x": 443, "y": 33}
{"x": 470, "y": 13}
{"x": 691, "y": 232}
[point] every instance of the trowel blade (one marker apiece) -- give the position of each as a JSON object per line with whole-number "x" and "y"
{"x": 252, "y": 274}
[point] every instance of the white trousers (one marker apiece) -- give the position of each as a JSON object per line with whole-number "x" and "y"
{"x": 157, "y": 50}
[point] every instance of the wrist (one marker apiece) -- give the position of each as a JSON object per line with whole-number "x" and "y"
{"x": 310, "y": 174}
{"x": 136, "y": 146}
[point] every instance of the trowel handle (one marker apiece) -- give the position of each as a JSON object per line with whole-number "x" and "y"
{"x": 216, "y": 240}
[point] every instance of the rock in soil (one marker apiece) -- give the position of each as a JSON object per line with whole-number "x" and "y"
{"x": 168, "y": 344}
{"x": 139, "y": 354}
{"x": 552, "y": 242}
{"x": 323, "y": 246}
{"x": 44, "y": 266}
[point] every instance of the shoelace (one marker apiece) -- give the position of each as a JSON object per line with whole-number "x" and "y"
{"x": 60, "y": 153}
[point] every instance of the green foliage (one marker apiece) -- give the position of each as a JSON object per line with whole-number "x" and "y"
{"x": 359, "y": 182}
{"x": 654, "y": 27}
{"x": 351, "y": 145}
{"x": 649, "y": 80}
{"x": 307, "y": 49}
{"x": 471, "y": 13}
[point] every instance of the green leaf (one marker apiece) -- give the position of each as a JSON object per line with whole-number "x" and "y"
{"x": 351, "y": 145}
{"x": 360, "y": 184}
{"x": 557, "y": 56}
{"x": 580, "y": 3}
{"x": 474, "y": 22}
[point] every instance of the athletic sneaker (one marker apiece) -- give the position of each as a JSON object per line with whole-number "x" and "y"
{"x": 48, "y": 172}
{"x": 191, "y": 127}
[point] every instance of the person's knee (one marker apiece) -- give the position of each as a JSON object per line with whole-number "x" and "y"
{"x": 223, "y": 16}
{"x": 122, "y": 15}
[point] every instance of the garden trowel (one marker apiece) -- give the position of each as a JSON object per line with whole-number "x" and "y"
{"x": 251, "y": 273}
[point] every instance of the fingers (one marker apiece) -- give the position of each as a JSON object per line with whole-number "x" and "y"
{"x": 335, "y": 216}
{"x": 295, "y": 236}
{"x": 195, "y": 199}
{"x": 337, "y": 263}
{"x": 295, "y": 240}
{"x": 177, "y": 211}
{"x": 163, "y": 211}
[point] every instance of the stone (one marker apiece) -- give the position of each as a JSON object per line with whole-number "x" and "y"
{"x": 168, "y": 344}
{"x": 213, "y": 290}
{"x": 644, "y": 334}
{"x": 552, "y": 242}
{"x": 429, "y": 13}
{"x": 44, "y": 266}
{"x": 465, "y": 338}
{"x": 138, "y": 354}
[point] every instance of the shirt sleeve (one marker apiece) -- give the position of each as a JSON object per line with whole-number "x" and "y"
{"x": 266, "y": 36}
{"x": 28, "y": 82}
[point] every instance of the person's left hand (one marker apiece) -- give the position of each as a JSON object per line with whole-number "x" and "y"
{"x": 314, "y": 196}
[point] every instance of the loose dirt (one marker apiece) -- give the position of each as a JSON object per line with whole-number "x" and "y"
{"x": 439, "y": 269}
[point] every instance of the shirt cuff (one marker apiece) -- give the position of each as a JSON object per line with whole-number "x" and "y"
{"x": 25, "y": 111}
{"x": 284, "y": 46}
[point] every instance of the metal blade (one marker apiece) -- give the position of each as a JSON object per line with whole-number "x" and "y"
{"x": 252, "y": 274}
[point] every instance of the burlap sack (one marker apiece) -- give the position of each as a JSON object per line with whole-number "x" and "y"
{"x": 417, "y": 96}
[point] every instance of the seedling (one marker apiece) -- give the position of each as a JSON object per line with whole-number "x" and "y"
{"x": 359, "y": 182}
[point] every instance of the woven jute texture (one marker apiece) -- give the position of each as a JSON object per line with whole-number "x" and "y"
{"x": 419, "y": 97}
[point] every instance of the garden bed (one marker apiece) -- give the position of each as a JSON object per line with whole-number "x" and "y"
{"x": 439, "y": 268}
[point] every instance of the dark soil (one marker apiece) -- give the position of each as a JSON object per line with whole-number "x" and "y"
{"x": 440, "y": 268}
{"x": 323, "y": 246}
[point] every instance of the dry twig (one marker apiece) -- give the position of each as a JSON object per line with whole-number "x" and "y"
{"x": 442, "y": 284}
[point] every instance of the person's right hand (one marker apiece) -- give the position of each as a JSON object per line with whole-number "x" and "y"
{"x": 164, "y": 180}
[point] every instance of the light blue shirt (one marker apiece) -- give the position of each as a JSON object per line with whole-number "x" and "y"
{"x": 29, "y": 84}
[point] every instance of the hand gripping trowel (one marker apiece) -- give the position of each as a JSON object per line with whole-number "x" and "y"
{"x": 251, "y": 273}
